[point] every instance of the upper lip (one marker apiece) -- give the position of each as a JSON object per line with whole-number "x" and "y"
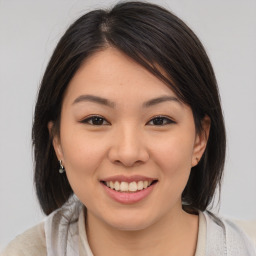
{"x": 128, "y": 179}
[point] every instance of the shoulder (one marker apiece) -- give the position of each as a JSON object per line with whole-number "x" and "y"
{"x": 31, "y": 242}
{"x": 225, "y": 235}
{"x": 249, "y": 227}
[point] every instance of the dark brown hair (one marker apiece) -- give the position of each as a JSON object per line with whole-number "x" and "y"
{"x": 159, "y": 41}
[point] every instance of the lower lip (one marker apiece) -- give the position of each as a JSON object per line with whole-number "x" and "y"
{"x": 128, "y": 198}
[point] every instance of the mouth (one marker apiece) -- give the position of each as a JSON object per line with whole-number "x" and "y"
{"x": 128, "y": 190}
{"x": 129, "y": 187}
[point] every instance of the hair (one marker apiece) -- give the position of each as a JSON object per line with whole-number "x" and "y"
{"x": 163, "y": 44}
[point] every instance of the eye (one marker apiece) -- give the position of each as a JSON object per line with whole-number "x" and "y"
{"x": 160, "y": 121}
{"x": 95, "y": 120}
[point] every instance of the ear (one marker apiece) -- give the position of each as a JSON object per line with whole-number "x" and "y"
{"x": 201, "y": 141}
{"x": 55, "y": 141}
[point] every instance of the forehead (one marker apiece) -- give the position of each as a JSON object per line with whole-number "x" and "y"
{"x": 112, "y": 74}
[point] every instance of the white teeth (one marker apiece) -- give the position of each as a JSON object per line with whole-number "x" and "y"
{"x": 111, "y": 184}
{"x": 140, "y": 185}
{"x": 116, "y": 185}
{"x": 128, "y": 187}
{"x": 133, "y": 186}
{"x": 145, "y": 184}
{"x": 124, "y": 186}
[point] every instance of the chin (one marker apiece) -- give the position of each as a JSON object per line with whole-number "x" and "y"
{"x": 130, "y": 222}
{"x": 130, "y": 226}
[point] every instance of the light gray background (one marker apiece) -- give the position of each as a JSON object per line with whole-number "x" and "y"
{"x": 29, "y": 30}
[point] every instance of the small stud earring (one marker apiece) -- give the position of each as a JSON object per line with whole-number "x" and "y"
{"x": 61, "y": 170}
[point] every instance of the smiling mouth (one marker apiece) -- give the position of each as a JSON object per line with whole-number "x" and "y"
{"x": 130, "y": 187}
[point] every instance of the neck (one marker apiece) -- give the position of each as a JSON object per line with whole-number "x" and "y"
{"x": 165, "y": 237}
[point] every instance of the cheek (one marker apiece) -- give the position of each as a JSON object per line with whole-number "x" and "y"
{"x": 173, "y": 157}
{"x": 81, "y": 151}
{"x": 82, "y": 159}
{"x": 174, "y": 160}
{"x": 82, "y": 156}
{"x": 174, "y": 153}
{"x": 78, "y": 157}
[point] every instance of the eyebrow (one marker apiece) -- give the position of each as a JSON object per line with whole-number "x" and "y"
{"x": 96, "y": 99}
{"x": 161, "y": 99}
{"x": 108, "y": 103}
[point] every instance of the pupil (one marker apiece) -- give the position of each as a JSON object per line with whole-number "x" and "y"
{"x": 97, "y": 120}
{"x": 158, "y": 121}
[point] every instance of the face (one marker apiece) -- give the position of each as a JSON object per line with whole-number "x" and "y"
{"x": 126, "y": 141}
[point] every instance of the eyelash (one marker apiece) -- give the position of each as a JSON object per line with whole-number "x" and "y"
{"x": 167, "y": 120}
{"x": 90, "y": 120}
{"x": 95, "y": 117}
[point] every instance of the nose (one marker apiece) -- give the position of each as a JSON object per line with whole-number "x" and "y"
{"x": 128, "y": 147}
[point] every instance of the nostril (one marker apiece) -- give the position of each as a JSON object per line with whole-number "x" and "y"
{"x": 128, "y": 163}
{"x": 129, "y": 154}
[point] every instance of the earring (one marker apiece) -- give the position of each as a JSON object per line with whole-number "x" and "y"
{"x": 61, "y": 170}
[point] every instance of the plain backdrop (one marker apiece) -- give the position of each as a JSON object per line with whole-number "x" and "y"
{"x": 29, "y": 31}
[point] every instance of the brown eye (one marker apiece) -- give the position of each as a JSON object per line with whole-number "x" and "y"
{"x": 160, "y": 121}
{"x": 95, "y": 120}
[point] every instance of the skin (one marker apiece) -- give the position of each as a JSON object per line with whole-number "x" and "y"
{"x": 129, "y": 141}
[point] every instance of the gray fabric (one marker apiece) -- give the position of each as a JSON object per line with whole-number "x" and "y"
{"x": 61, "y": 230}
{"x": 223, "y": 238}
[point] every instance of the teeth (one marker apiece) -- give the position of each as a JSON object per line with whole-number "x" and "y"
{"x": 140, "y": 185}
{"x": 128, "y": 187}
{"x": 124, "y": 186}
{"x": 133, "y": 186}
{"x": 116, "y": 185}
{"x": 111, "y": 184}
{"x": 145, "y": 184}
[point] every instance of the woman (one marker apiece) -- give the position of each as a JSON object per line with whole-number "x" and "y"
{"x": 129, "y": 142}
